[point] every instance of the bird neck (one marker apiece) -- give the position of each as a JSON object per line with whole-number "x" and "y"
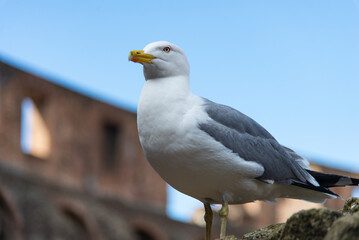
{"x": 174, "y": 86}
{"x": 161, "y": 93}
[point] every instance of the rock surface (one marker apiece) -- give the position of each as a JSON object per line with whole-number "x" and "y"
{"x": 315, "y": 224}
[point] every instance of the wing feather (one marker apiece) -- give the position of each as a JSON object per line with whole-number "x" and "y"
{"x": 252, "y": 142}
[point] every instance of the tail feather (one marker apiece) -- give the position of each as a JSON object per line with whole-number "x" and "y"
{"x": 333, "y": 180}
{"x": 325, "y": 182}
{"x": 310, "y": 186}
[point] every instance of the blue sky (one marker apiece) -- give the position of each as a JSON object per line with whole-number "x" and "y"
{"x": 293, "y": 66}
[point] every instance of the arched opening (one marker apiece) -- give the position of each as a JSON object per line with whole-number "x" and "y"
{"x": 146, "y": 230}
{"x": 111, "y": 137}
{"x": 10, "y": 223}
{"x": 2, "y": 227}
{"x": 142, "y": 234}
{"x": 84, "y": 227}
{"x": 80, "y": 228}
{"x": 35, "y": 135}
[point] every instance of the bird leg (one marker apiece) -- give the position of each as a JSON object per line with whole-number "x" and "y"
{"x": 223, "y": 213}
{"x": 208, "y": 217}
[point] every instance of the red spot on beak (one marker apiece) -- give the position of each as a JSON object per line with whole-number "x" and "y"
{"x": 135, "y": 59}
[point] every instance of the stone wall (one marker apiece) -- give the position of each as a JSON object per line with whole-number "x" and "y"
{"x": 33, "y": 209}
{"x": 93, "y": 145}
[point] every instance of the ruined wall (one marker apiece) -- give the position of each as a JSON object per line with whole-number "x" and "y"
{"x": 31, "y": 208}
{"x": 93, "y": 146}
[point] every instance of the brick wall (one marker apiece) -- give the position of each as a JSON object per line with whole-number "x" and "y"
{"x": 92, "y": 145}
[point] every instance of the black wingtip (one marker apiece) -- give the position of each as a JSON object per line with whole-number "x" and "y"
{"x": 355, "y": 181}
{"x": 312, "y": 187}
{"x": 333, "y": 180}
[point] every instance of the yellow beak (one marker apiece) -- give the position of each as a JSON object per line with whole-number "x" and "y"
{"x": 138, "y": 56}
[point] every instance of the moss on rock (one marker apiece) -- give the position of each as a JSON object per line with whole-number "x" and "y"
{"x": 345, "y": 228}
{"x": 309, "y": 224}
{"x": 271, "y": 232}
{"x": 320, "y": 224}
{"x": 351, "y": 205}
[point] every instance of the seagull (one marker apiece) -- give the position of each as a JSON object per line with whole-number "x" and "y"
{"x": 213, "y": 152}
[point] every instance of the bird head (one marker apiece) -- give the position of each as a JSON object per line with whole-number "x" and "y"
{"x": 161, "y": 59}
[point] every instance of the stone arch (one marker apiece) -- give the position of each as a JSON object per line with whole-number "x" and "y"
{"x": 11, "y": 223}
{"x": 147, "y": 230}
{"x": 79, "y": 216}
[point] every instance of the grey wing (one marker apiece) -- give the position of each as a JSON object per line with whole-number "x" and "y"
{"x": 252, "y": 142}
{"x": 303, "y": 162}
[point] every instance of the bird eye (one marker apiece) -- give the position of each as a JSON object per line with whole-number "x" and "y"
{"x": 167, "y": 49}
